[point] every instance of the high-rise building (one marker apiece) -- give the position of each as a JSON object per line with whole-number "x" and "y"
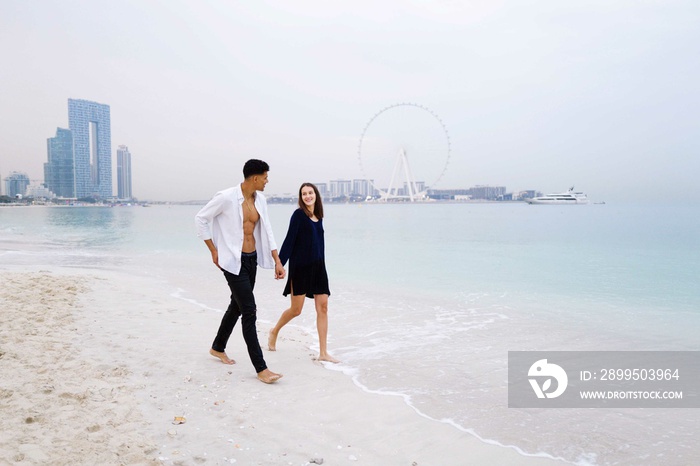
{"x": 123, "y": 173}
{"x": 362, "y": 187}
{"x": 16, "y": 184}
{"x": 322, "y": 189}
{"x": 487, "y": 192}
{"x": 89, "y": 123}
{"x": 418, "y": 186}
{"x": 341, "y": 188}
{"x": 59, "y": 176}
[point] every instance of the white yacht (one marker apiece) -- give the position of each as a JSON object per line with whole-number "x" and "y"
{"x": 570, "y": 197}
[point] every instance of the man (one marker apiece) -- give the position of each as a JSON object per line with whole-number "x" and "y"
{"x": 235, "y": 227}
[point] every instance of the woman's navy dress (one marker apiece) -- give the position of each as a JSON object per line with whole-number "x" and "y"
{"x": 303, "y": 247}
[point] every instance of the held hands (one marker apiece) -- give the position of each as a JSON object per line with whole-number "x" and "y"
{"x": 279, "y": 271}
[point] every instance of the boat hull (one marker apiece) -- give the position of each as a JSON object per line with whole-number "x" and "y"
{"x": 558, "y": 201}
{"x": 570, "y": 197}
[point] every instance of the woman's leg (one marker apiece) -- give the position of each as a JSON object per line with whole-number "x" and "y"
{"x": 321, "y": 301}
{"x": 297, "y": 304}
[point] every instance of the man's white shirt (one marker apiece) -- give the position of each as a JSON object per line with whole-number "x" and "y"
{"x": 221, "y": 221}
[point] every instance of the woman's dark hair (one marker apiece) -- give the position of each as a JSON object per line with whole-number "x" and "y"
{"x": 255, "y": 167}
{"x": 318, "y": 205}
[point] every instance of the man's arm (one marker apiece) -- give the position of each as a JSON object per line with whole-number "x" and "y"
{"x": 214, "y": 252}
{"x": 205, "y": 216}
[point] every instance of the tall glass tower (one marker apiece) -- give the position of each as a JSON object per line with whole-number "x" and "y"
{"x": 90, "y": 125}
{"x": 123, "y": 173}
{"x": 58, "y": 171}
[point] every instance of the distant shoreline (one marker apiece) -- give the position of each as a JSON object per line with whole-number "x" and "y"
{"x": 273, "y": 202}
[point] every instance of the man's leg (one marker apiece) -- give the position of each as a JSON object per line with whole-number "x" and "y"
{"x": 228, "y": 321}
{"x": 249, "y": 318}
{"x": 248, "y": 311}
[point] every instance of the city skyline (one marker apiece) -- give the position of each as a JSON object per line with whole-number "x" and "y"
{"x": 92, "y": 124}
{"x": 601, "y": 95}
{"x": 359, "y": 189}
{"x": 78, "y": 160}
{"x": 332, "y": 188}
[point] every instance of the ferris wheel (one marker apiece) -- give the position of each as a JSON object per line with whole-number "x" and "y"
{"x": 400, "y": 141}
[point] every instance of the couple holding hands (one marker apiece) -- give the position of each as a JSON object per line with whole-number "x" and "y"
{"x": 236, "y": 228}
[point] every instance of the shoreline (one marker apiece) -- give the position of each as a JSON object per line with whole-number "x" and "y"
{"x": 277, "y": 202}
{"x": 147, "y": 353}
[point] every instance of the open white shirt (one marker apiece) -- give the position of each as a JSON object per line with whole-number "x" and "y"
{"x": 221, "y": 221}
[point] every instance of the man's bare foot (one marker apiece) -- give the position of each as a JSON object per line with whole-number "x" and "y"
{"x": 328, "y": 358}
{"x": 221, "y": 355}
{"x": 267, "y": 376}
{"x": 272, "y": 340}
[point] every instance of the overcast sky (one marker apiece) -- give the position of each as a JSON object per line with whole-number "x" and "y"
{"x": 604, "y": 95}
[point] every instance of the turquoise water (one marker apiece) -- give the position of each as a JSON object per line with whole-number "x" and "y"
{"x": 641, "y": 255}
{"x": 428, "y": 299}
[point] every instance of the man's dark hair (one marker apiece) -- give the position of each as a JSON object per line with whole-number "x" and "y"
{"x": 255, "y": 167}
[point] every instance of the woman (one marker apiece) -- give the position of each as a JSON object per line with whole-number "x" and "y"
{"x": 304, "y": 248}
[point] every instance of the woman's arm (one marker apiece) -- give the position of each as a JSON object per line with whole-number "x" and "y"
{"x": 288, "y": 244}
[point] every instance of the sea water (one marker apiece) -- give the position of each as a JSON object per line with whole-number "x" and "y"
{"x": 427, "y": 300}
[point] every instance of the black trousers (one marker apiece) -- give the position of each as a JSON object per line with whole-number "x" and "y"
{"x": 242, "y": 305}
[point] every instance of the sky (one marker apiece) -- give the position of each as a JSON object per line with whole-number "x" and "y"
{"x": 544, "y": 95}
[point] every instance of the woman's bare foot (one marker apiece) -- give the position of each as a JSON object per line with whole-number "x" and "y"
{"x": 221, "y": 355}
{"x": 267, "y": 376}
{"x": 328, "y": 358}
{"x": 272, "y": 340}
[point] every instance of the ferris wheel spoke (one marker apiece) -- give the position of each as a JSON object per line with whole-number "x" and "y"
{"x": 393, "y": 126}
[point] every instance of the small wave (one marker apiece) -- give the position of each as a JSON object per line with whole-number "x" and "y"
{"x": 354, "y": 374}
{"x": 178, "y": 293}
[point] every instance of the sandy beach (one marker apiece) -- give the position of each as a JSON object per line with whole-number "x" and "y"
{"x": 97, "y": 365}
